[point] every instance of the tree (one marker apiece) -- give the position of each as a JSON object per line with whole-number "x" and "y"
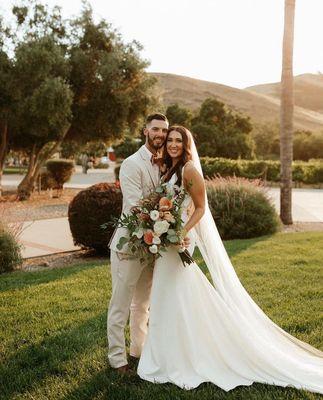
{"x": 107, "y": 90}
{"x": 307, "y": 145}
{"x": 43, "y": 109}
{"x": 286, "y": 115}
{"x": 177, "y": 115}
{"x": 221, "y": 133}
{"x": 111, "y": 88}
{"x": 7, "y": 95}
{"x": 6, "y": 103}
{"x": 128, "y": 146}
{"x": 266, "y": 139}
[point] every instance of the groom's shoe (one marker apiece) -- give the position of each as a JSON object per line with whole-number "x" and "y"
{"x": 124, "y": 370}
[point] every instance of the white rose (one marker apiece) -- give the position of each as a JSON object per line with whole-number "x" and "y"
{"x": 161, "y": 227}
{"x": 153, "y": 249}
{"x": 154, "y": 215}
{"x": 156, "y": 240}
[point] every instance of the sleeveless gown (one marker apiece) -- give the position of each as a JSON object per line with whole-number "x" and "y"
{"x": 193, "y": 337}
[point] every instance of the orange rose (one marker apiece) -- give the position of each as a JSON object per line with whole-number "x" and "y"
{"x": 168, "y": 216}
{"x": 165, "y": 204}
{"x": 148, "y": 237}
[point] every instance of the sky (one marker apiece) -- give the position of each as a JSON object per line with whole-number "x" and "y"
{"x": 233, "y": 42}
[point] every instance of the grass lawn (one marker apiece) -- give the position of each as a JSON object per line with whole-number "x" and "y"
{"x": 53, "y": 324}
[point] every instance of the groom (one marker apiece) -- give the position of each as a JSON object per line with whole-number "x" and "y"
{"x": 131, "y": 280}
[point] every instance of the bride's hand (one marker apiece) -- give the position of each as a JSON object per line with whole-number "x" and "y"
{"x": 186, "y": 242}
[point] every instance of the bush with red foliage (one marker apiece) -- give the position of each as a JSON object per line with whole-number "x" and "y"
{"x": 91, "y": 208}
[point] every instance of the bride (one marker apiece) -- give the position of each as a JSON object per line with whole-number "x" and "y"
{"x": 204, "y": 333}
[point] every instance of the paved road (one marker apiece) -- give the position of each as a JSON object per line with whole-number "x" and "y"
{"x": 78, "y": 180}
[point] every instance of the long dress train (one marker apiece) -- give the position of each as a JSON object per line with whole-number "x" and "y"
{"x": 194, "y": 336}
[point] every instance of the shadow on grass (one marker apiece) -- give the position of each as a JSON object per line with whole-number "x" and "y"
{"x": 106, "y": 384}
{"x": 31, "y": 364}
{"x": 21, "y": 279}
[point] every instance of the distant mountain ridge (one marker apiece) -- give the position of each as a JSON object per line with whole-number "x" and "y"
{"x": 308, "y": 91}
{"x": 260, "y": 102}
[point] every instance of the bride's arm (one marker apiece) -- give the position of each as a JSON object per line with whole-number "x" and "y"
{"x": 195, "y": 185}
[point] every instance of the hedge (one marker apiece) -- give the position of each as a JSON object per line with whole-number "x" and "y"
{"x": 303, "y": 172}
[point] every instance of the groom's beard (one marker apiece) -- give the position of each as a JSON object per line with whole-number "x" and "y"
{"x": 154, "y": 145}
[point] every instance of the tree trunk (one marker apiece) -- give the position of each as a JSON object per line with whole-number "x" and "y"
{"x": 36, "y": 160}
{"x": 3, "y": 149}
{"x": 286, "y": 116}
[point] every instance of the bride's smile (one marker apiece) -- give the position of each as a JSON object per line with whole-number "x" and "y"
{"x": 174, "y": 145}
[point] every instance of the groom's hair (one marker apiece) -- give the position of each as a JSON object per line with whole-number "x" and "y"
{"x": 159, "y": 116}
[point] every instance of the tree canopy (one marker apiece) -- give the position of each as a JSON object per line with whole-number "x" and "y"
{"x": 73, "y": 80}
{"x": 220, "y": 132}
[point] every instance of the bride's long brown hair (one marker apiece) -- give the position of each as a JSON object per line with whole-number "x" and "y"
{"x": 186, "y": 155}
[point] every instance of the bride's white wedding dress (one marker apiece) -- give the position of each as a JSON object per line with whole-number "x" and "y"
{"x": 197, "y": 334}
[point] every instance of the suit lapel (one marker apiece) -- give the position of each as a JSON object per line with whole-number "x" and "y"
{"x": 145, "y": 157}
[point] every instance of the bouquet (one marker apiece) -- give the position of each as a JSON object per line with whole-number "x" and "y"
{"x": 154, "y": 224}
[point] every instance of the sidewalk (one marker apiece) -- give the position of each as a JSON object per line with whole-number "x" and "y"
{"x": 46, "y": 236}
{"x": 50, "y": 236}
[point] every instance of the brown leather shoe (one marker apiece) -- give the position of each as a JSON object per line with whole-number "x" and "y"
{"x": 123, "y": 370}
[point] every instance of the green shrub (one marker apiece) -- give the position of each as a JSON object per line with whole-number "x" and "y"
{"x": 91, "y": 208}
{"x": 303, "y": 172}
{"x": 47, "y": 180}
{"x": 313, "y": 172}
{"x": 273, "y": 171}
{"x": 61, "y": 170}
{"x": 101, "y": 166}
{"x": 253, "y": 169}
{"x": 10, "y": 254}
{"x": 241, "y": 208}
{"x": 128, "y": 146}
{"x": 298, "y": 169}
{"x": 222, "y": 166}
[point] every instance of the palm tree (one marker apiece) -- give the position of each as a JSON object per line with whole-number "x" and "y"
{"x": 286, "y": 116}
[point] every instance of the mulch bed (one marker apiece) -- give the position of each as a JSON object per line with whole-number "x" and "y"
{"x": 39, "y": 206}
{"x": 62, "y": 260}
{"x": 303, "y": 227}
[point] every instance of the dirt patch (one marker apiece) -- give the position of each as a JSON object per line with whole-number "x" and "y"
{"x": 303, "y": 227}
{"x": 62, "y": 260}
{"x": 39, "y": 206}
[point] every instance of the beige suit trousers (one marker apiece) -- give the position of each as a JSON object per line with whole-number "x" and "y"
{"x": 131, "y": 286}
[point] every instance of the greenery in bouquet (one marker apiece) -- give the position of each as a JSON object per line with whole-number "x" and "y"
{"x": 155, "y": 224}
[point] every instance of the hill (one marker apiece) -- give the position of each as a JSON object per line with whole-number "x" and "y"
{"x": 261, "y": 107}
{"x": 308, "y": 91}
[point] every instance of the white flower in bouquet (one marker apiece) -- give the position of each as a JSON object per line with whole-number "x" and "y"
{"x": 153, "y": 249}
{"x": 154, "y": 215}
{"x": 139, "y": 233}
{"x": 161, "y": 227}
{"x": 156, "y": 240}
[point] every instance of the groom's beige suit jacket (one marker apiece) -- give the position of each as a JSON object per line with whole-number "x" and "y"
{"x": 138, "y": 177}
